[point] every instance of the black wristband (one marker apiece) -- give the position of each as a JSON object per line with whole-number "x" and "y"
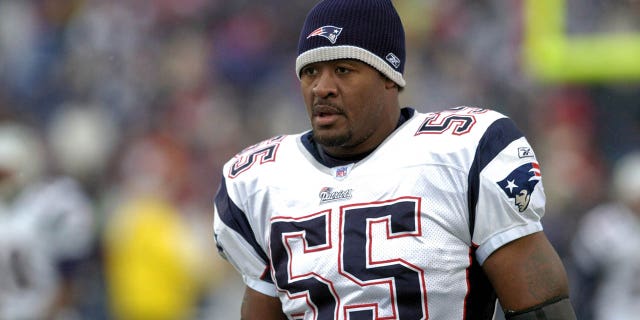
{"x": 554, "y": 309}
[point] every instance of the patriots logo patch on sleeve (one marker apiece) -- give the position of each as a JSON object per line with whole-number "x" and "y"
{"x": 519, "y": 184}
{"x": 329, "y": 32}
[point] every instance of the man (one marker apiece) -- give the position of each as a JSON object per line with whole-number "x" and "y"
{"x": 606, "y": 246}
{"x": 380, "y": 212}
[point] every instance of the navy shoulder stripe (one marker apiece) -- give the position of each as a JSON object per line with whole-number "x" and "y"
{"x": 497, "y": 137}
{"x": 236, "y": 219}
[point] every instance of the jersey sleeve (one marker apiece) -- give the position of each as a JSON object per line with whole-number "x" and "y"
{"x": 509, "y": 196}
{"x": 237, "y": 242}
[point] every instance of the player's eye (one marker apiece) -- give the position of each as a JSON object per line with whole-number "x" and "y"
{"x": 342, "y": 70}
{"x": 308, "y": 71}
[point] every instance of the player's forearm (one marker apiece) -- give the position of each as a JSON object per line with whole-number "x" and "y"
{"x": 526, "y": 273}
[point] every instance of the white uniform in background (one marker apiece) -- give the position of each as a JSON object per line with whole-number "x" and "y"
{"x": 607, "y": 247}
{"x": 48, "y": 223}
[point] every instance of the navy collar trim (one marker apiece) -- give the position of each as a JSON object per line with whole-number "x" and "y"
{"x": 316, "y": 151}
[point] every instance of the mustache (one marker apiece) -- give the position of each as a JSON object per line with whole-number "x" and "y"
{"x": 323, "y": 106}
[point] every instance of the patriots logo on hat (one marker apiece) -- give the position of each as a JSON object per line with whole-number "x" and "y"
{"x": 519, "y": 184}
{"x": 329, "y": 32}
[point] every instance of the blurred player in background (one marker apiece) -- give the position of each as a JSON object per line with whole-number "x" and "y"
{"x": 606, "y": 250}
{"x": 46, "y": 228}
{"x": 381, "y": 211}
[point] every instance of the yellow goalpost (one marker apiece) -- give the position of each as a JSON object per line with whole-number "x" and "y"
{"x": 553, "y": 56}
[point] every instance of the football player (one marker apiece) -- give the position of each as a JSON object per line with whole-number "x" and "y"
{"x": 382, "y": 212}
{"x": 46, "y": 230}
{"x": 606, "y": 246}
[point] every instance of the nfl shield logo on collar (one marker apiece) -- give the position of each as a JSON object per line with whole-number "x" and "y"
{"x": 342, "y": 172}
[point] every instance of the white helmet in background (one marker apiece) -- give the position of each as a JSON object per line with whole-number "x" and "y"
{"x": 626, "y": 179}
{"x": 82, "y": 138}
{"x": 22, "y": 157}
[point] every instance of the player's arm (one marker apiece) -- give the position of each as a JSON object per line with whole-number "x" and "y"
{"x": 236, "y": 243}
{"x": 258, "y": 306}
{"x": 529, "y": 279}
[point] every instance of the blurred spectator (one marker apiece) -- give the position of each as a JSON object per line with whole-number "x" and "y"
{"x": 565, "y": 120}
{"x": 606, "y": 247}
{"x": 153, "y": 263}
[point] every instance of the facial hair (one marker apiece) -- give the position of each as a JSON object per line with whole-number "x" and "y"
{"x": 332, "y": 141}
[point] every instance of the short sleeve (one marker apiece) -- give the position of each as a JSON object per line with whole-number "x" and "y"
{"x": 237, "y": 243}
{"x": 511, "y": 198}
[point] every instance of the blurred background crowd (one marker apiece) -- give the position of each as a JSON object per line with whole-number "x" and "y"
{"x": 117, "y": 116}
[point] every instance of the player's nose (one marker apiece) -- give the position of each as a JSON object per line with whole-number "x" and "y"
{"x": 325, "y": 85}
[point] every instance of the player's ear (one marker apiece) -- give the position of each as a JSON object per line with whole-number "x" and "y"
{"x": 388, "y": 83}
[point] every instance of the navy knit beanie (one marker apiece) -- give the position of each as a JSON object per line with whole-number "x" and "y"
{"x": 367, "y": 30}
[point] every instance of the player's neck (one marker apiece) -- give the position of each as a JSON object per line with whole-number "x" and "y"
{"x": 333, "y": 161}
{"x": 339, "y": 160}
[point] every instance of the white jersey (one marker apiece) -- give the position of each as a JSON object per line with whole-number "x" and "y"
{"x": 48, "y": 223}
{"x": 400, "y": 234}
{"x": 27, "y": 276}
{"x": 606, "y": 246}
